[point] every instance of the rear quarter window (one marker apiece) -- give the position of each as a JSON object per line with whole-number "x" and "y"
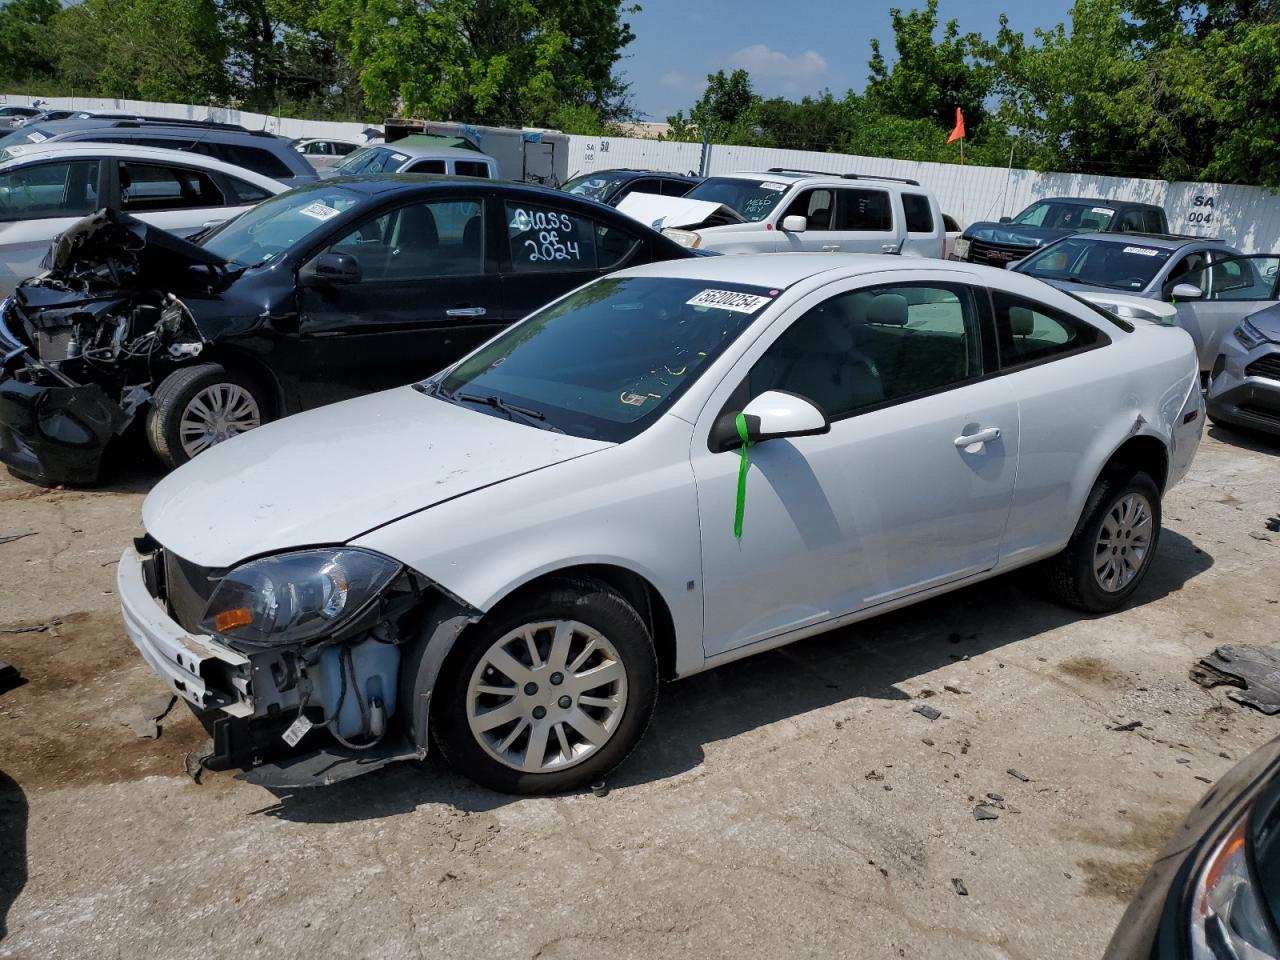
{"x": 471, "y": 168}
{"x": 918, "y": 213}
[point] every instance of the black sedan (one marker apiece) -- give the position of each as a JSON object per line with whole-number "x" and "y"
{"x": 1214, "y": 892}
{"x": 610, "y": 186}
{"x": 327, "y": 291}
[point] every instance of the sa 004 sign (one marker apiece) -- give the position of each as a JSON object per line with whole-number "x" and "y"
{"x": 1203, "y": 212}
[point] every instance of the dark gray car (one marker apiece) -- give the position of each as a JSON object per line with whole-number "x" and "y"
{"x": 1244, "y": 385}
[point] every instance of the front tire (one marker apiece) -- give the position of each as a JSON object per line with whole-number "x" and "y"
{"x": 198, "y": 406}
{"x": 1111, "y": 550}
{"x": 549, "y": 692}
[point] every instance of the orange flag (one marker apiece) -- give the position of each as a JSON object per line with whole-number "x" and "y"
{"x": 958, "y": 132}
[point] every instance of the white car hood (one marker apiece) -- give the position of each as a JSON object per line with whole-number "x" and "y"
{"x": 331, "y": 474}
{"x": 660, "y": 212}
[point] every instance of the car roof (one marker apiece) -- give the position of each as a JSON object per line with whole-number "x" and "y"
{"x": 419, "y": 150}
{"x": 1157, "y": 240}
{"x": 379, "y": 184}
{"x": 635, "y": 172}
{"x": 128, "y": 151}
{"x": 782, "y": 270}
{"x": 1098, "y": 202}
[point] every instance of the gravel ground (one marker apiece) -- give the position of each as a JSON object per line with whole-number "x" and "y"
{"x": 789, "y": 805}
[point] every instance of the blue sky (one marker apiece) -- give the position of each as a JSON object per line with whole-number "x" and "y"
{"x": 790, "y": 49}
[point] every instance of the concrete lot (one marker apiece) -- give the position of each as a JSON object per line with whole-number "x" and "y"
{"x": 790, "y": 805}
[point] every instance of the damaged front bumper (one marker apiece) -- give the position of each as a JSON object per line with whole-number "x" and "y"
{"x": 56, "y": 434}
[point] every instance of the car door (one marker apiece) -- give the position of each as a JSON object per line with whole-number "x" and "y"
{"x": 173, "y": 196}
{"x": 37, "y": 202}
{"x": 1231, "y": 289}
{"x": 817, "y": 206}
{"x": 550, "y": 250}
{"x": 424, "y": 297}
{"x": 865, "y": 221}
{"x": 910, "y": 489}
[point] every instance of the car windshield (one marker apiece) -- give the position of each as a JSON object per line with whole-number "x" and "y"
{"x": 604, "y": 362}
{"x": 593, "y": 186}
{"x": 24, "y": 135}
{"x": 1065, "y": 216}
{"x": 754, "y": 199}
{"x": 1101, "y": 263}
{"x": 372, "y": 160}
{"x": 273, "y": 226}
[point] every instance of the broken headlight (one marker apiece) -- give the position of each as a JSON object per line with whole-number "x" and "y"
{"x": 295, "y": 597}
{"x": 1228, "y": 917}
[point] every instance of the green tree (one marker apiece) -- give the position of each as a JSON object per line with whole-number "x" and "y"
{"x": 495, "y": 61}
{"x": 26, "y": 44}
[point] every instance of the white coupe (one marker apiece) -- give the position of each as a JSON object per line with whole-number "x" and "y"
{"x": 673, "y": 467}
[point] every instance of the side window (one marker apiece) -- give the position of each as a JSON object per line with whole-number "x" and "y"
{"x": 864, "y": 210}
{"x": 241, "y": 191}
{"x": 152, "y": 186}
{"x": 343, "y": 149}
{"x": 1191, "y": 262}
{"x": 251, "y": 158}
{"x": 438, "y": 239}
{"x": 1153, "y": 220}
{"x": 543, "y": 240}
{"x": 471, "y": 168}
{"x": 1239, "y": 278}
{"x": 426, "y": 166}
{"x": 66, "y": 189}
{"x": 868, "y": 347}
{"x": 613, "y": 245}
{"x": 1029, "y": 332}
{"x": 816, "y": 206}
{"x": 918, "y": 213}
{"x": 1132, "y": 222}
{"x": 675, "y": 188}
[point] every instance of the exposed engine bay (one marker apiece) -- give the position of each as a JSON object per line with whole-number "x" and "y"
{"x": 85, "y": 343}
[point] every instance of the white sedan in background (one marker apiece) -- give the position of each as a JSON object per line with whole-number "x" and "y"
{"x": 671, "y": 468}
{"x": 47, "y": 187}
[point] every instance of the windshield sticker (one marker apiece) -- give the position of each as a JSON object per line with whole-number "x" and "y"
{"x": 729, "y": 300}
{"x": 318, "y": 211}
{"x": 771, "y": 185}
{"x": 634, "y": 399}
{"x": 1142, "y": 251}
{"x": 35, "y": 136}
{"x": 399, "y": 157}
{"x": 1105, "y": 211}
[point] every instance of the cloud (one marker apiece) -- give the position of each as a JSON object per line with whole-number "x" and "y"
{"x": 775, "y": 71}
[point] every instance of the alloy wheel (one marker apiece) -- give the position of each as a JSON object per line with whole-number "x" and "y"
{"x": 218, "y": 412}
{"x": 546, "y": 696}
{"x": 1124, "y": 542}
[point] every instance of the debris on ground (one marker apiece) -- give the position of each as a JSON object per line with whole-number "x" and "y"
{"x": 1126, "y": 727}
{"x": 10, "y": 537}
{"x": 959, "y": 886}
{"x": 193, "y": 763}
{"x": 874, "y": 775}
{"x": 1255, "y": 669}
{"x": 600, "y": 788}
{"x": 928, "y": 712}
{"x": 952, "y": 688}
{"x": 984, "y": 812}
{"x": 1018, "y": 776}
{"x": 146, "y": 723}
{"x": 996, "y": 797}
{"x": 9, "y": 677}
{"x": 1259, "y": 536}
{"x": 1273, "y": 523}
{"x": 34, "y": 628}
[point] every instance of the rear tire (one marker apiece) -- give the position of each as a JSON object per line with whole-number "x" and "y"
{"x": 1112, "y": 547}
{"x": 198, "y": 406}
{"x": 527, "y": 725}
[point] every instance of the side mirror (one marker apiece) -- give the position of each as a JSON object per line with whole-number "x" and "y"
{"x": 330, "y": 268}
{"x": 1006, "y": 219}
{"x": 771, "y": 416}
{"x": 1186, "y": 291}
{"x": 794, "y": 224}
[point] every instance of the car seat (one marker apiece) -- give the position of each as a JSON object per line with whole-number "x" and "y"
{"x": 825, "y": 365}
{"x": 414, "y": 243}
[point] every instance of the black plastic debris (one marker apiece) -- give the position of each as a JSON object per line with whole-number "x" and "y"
{"x": 600, "y": 789}
{"x": 928, "y": 712}
{"x": 10, "y": 537}
{"x": 1273, "y": 523}
{"x": 1255, "y": 669}
{"x": 984, "y": 812}
{"x": 996, "y": 797}
{"x": 959, "y": 886}
{"x": 1126, "y": 727}
{"x": 9, "y": 677}
{"x": 35, "y": 627}
{"x": 1018, "y": 776}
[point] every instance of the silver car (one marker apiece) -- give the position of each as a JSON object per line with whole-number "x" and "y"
{"x": 1208, "y": 281}
{"x": 1244, "y": 386}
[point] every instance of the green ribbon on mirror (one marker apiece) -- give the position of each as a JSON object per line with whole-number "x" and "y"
{"x": 741, "y": 423}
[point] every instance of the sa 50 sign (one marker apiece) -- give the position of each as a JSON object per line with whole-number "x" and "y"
{"x": 1203, "y": 209}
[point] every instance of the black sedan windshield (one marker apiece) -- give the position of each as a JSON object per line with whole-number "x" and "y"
{"x": 1101, "y": 263}
{"x": 609, "y": 358}
{"x": 273, "y": 226}
{"x": 754, "y": 199}
{"x": 594, "y": 186}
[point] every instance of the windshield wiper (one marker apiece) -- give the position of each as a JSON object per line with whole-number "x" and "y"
{"x": 510, "y": 409}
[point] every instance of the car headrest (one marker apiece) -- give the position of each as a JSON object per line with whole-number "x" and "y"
{"x": 1021, "y": 321}
{"x": 888, "y": 309}
{"x": 417, "y": 225}
{"x": 838, "y": 336}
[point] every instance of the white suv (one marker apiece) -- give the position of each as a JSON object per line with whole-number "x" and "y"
{"x": 802, "y": 210}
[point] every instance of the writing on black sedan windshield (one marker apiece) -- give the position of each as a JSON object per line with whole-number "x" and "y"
{"x": 1100, "y": 263}
{"x": 605, "y": 361}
